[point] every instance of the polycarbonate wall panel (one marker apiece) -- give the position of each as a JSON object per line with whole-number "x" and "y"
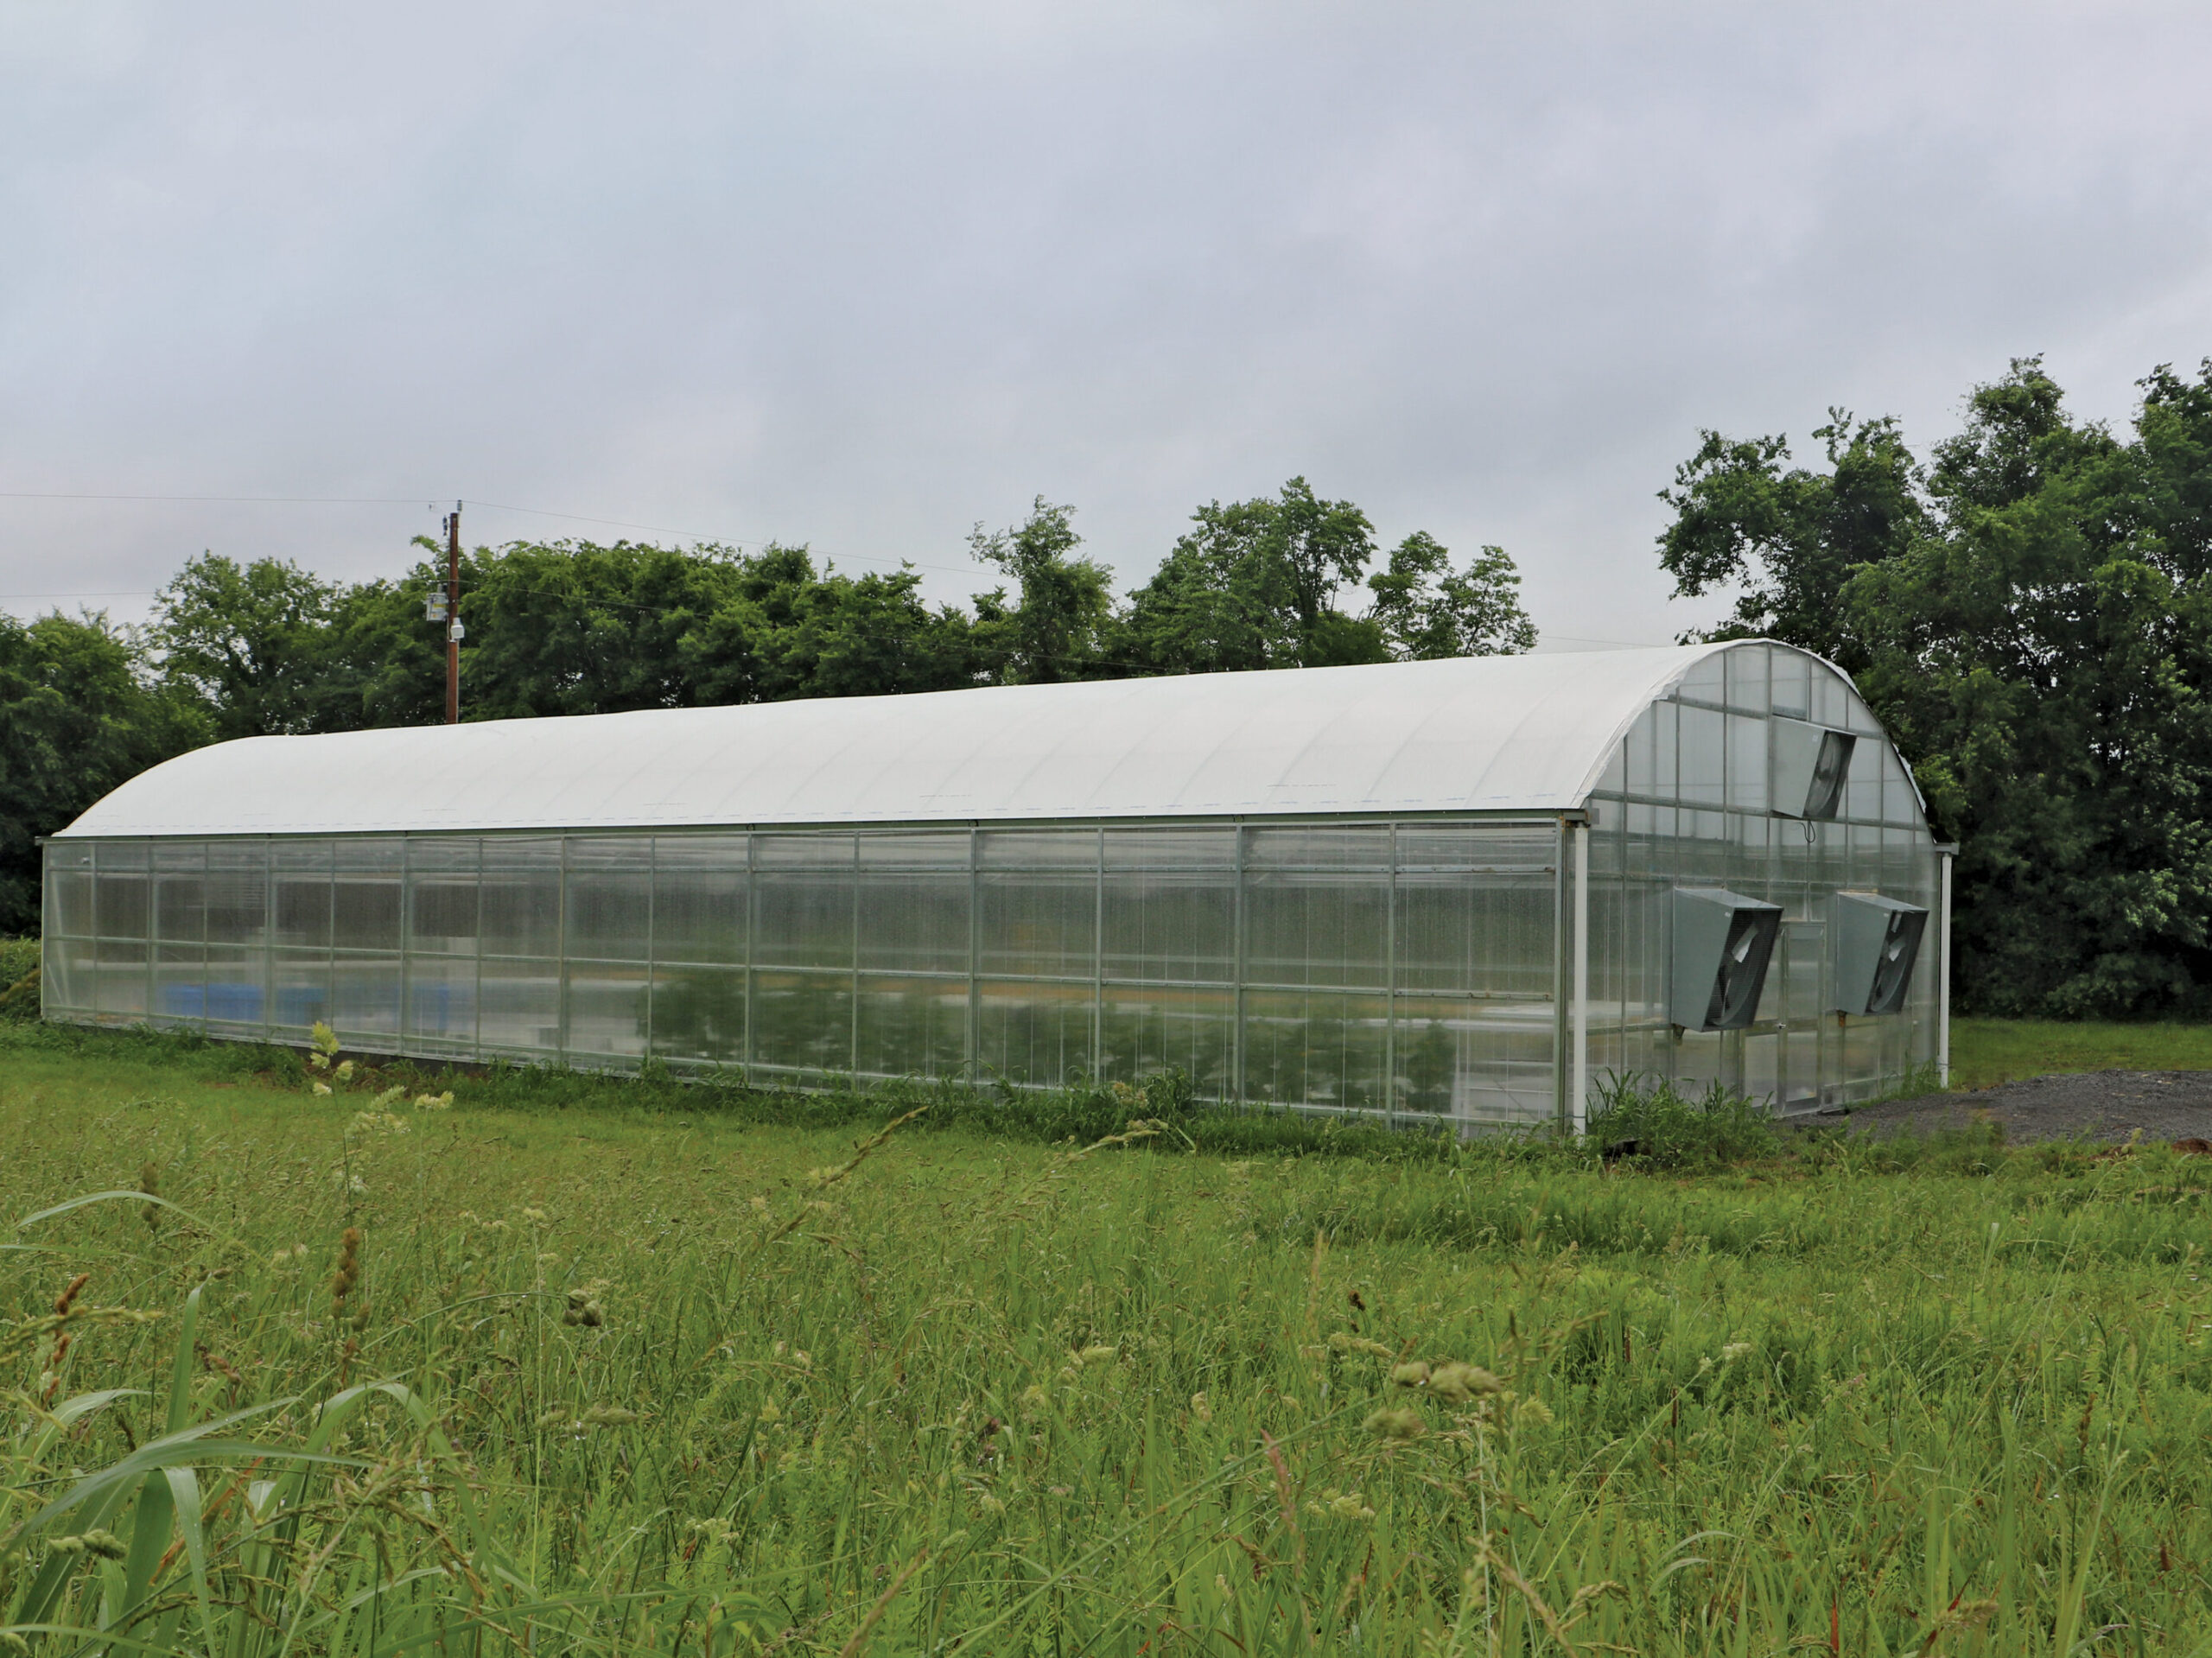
{"x": 1170, "y": 905}
{"x": 365, "y": 906}
{"x": 1317, "y": 1048}
{"x": 300, "y": 881}
{"x": 912, "y": 912}
{"x": 519, "y": 1006}
{"x": 1146, "y": 1030}
{"x": 68, "y": 908}
{"x": 1362, "y": 967}
{"x": 1317, "y": 907}
{"x": 238, "y": 894}
{"x": 804, "y": 897}
{"x": 1039, "y": 899}
{"x": 801, "y": 1023}
{"x": 910, "y": 1026}
{"x": 521, "y": 902}
{"x": 697, "y": 1015}
{"x": 1692, "y": 806}
{"x": 700, "y": 905}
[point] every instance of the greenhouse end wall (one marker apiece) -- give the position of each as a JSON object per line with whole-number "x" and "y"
{"x": 1403, "y": 968}
{"x": 1688, "y": 800}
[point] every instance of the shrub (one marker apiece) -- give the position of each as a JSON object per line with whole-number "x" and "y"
{"x": 1642, "y": 1118}
{"x": 18, "y": 978}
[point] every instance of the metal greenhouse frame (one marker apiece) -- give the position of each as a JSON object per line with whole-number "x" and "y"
{"x": 1429, "y": 892}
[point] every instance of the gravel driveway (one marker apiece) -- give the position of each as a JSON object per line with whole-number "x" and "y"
{"x": 2166, "y": 1105}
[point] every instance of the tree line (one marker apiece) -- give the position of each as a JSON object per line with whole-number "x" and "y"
{"x": 267, "y": 647}
{"x": 2027, "y": 609}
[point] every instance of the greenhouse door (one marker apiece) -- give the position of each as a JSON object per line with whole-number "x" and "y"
{"x": 1804, "y": 952}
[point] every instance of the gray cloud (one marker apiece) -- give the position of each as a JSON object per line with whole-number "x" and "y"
{"x": 862, "y": 275}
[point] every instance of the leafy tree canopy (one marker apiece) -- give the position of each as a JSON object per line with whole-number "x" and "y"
{"x": 2030, "y": 614}
{"x": 78, "y": 716}
{"x": 264, "y": 648}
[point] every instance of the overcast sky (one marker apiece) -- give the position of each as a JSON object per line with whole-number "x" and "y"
{"x": 862, "y": 275}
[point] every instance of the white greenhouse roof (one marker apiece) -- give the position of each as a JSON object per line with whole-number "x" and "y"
{"x": 1483, "y": 733}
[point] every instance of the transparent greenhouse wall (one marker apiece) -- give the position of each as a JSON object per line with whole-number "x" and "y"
{"x": 1406, "y": 968}
{"x": 1684, "y": 803}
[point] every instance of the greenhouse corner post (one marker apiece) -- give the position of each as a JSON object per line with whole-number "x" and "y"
{"x": 1562, "y": 969}
{"x": 1579, "y": 1099}
{"x": 1944, "y": 854}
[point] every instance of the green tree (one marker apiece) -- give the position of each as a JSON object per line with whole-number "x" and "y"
{"x": 247, "y": 641}
{"x": 575, "y": 627}
{"x": 1428, "y": 610}
{"x": 2034, "y": 627}
{"x": 80, "y": 714}
{"x": 1788, "y": 538}
{"x": 1253, "y": 585}
{"x": 1059, "y": 628}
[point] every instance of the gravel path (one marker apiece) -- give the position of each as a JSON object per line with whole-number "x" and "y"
{"x": 2166, "y": 1105}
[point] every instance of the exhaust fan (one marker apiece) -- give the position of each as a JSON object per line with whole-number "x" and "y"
{"x": 1876, "y": 941}
{"x": 1723, "y": 942}
{"x": 1810, "y": 766}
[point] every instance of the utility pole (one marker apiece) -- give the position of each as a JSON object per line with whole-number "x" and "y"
{"x": 454, "y": 631}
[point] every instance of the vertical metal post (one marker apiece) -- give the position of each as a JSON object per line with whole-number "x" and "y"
{"x": 476, "y": 996}
{"x": 561, "y": 956}
{"x": 453, "y": 616}
{"x": 652, "y": 944}
{"x": 268, "y": 934}
{"x": 752, "y": 947}
{"x": 1944, "y": 854}
{"x": 1236, "y": 1028}
{"x": 1390, "y": 983}
{"x": 853, "y": 1032}
{"x": 406, "y": 939}
{"x": 1561, "y": 988}
{"x": 975, "y": 956}
{"x": 1580, "y": 1099}
{"x": 1098, "y": 957}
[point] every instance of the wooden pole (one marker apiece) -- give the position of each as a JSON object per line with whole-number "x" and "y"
{"x": 453, "y": 616}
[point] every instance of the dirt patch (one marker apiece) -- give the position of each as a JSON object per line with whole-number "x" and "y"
{"x": 2165, "y": 1106}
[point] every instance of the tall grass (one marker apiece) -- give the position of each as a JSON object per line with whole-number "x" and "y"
{"x": 606, "y": 1380}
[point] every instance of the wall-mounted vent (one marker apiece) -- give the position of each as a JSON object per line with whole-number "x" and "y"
{"x": 1808, "y": 766}
{"x": 1723, "y": 942}
{"x": 1876, "y": 940}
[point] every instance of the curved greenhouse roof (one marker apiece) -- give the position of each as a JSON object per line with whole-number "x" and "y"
{"x": 1486, "y": 734}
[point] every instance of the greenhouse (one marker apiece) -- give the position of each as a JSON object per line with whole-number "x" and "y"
{"x": 1468, "y": 890}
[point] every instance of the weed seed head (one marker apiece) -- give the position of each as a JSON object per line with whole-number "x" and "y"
{"x": 1456, "y": 1383}
{"x": 1397, "y": 1424}
{"x": 348, "y": 1274}
{"x": 100, "y": 1544}
{"x": 583, "y": 1309}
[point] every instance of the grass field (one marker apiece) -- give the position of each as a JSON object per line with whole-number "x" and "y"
{"x": 1989, "y": 1051}
{"x": 645, "y": 1375}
